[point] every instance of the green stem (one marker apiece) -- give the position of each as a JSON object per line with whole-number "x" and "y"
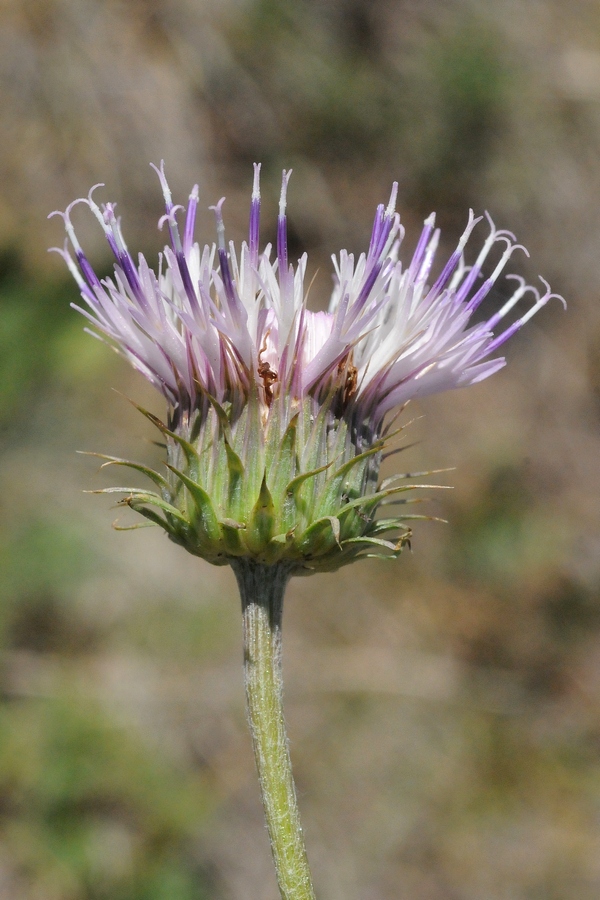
{"x": 262, "y": 589}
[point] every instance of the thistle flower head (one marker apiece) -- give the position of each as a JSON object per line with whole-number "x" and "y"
{"x": 277, "y": 414}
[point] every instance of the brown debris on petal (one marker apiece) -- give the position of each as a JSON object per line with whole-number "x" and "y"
{"x": 268, "y": 378}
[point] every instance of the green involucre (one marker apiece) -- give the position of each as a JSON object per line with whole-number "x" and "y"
{"x": 274, "y": 485}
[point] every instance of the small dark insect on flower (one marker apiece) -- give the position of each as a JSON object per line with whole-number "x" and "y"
{"x": 268, "y": 378}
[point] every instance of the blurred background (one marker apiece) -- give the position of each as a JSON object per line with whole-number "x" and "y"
{"x": 444, "y": 709}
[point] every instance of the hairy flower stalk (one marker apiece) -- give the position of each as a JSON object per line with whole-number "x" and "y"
{"x": 279, "y": 417}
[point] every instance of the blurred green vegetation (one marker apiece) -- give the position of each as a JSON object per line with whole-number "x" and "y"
{"x": 444, "y": 710}
{"x": 34, "y": 316}
{"x": 342, "y": 101}
{"x": 88, "y": 811}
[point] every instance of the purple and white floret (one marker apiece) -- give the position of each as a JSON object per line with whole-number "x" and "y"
{"x": 212, "y": 321}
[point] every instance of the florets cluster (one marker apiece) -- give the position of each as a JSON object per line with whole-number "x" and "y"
{"x": 278, "y": 416}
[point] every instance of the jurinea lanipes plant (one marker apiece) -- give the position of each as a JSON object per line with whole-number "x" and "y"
{"x": 279, "y": 417}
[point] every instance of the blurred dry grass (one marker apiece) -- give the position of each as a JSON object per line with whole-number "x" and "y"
{"x": 444, "y": 710}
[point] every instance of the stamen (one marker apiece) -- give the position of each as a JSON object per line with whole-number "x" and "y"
{"x": 512, "y": 329}
{"x": 254, "y": 229}
{"x": 169, "y": 217}
{"x": 190, "y": 221}
{"x": 430, "y": 251}
{"x": 64, "y": 252}
{"x": 511, "y": 302}
{"x": 100, "y": 216}
{"x": 86, "y": 268}
{"x": 454, "y": 259}
{"x": 286, "y": 285}
{"x": 122, "y": 253}
{"x": 65, "y": 216}
{"x": 484, "y": 290}
{"x": 171, "y": 209}
{"x": 282, "y": 248}
{"x": 218, "y": 211}
{"x": 283, "y": 196}
{"x": 376, "y": 232}
{"x": 223, "y": 260}
{"x": 428, "y": 226}
{"x": 164, "y": 184}
{"x": 550, "y": 295}
{"x": 494, "y": 236}
{"x": 391, "y": 207}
